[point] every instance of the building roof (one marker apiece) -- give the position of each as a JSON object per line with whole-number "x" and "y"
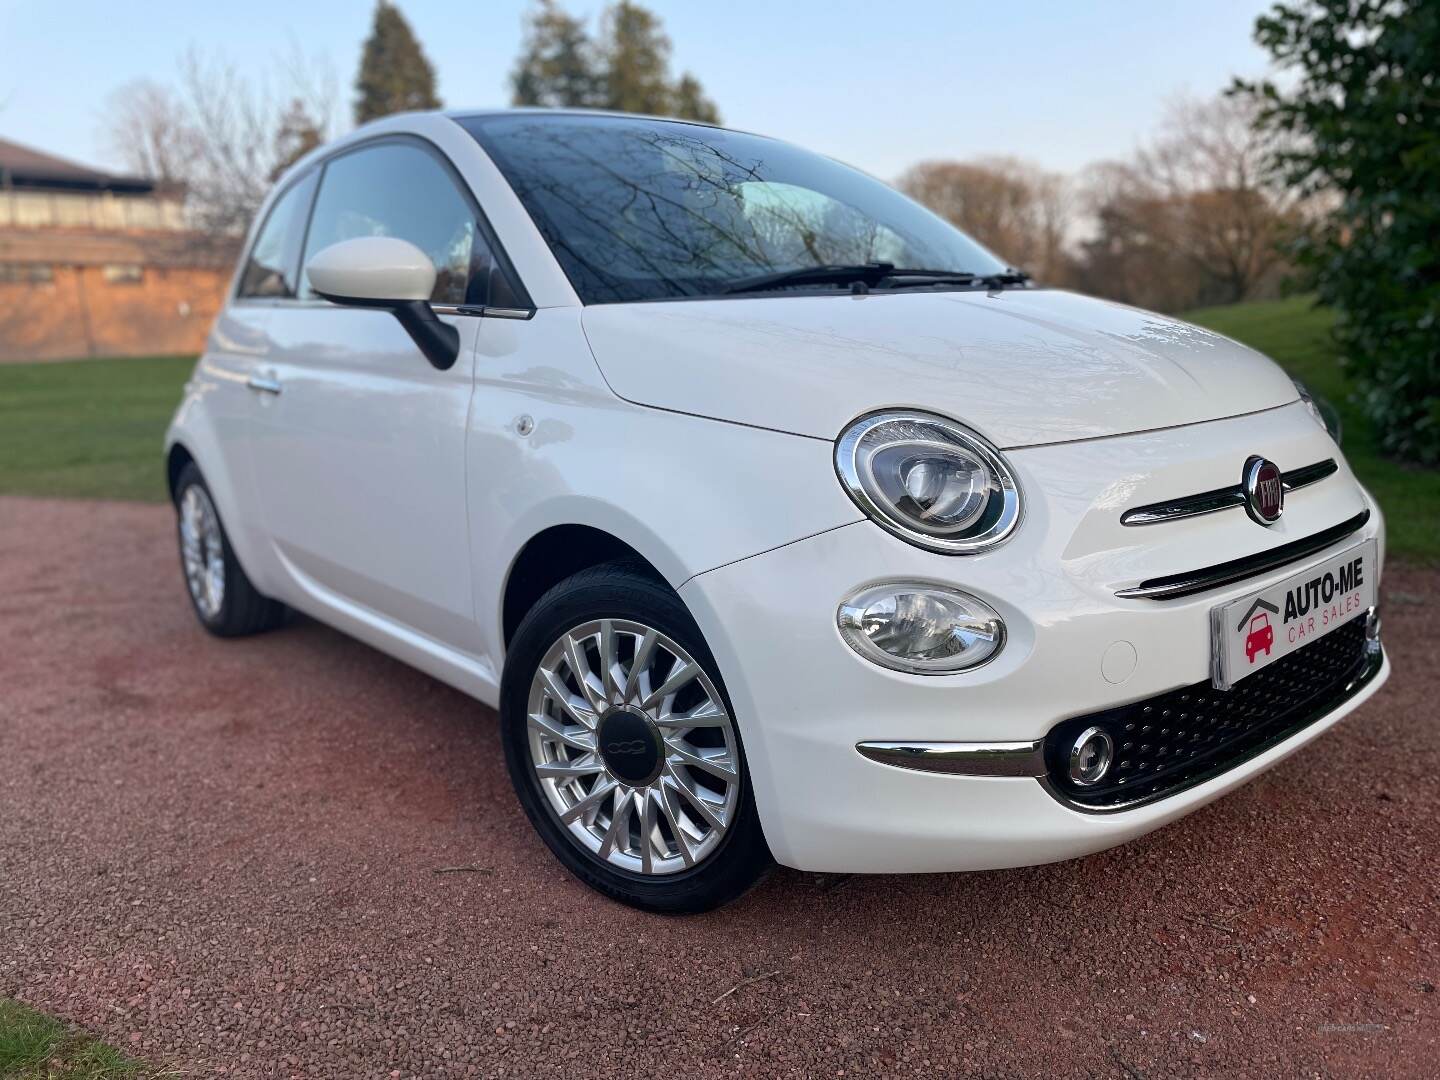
{"x": 24, "y": 167}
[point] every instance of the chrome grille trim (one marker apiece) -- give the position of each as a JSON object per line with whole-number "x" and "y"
{"x": 958, "y": 758}
{"x": 1208, "y": 502}
{"x": 1309, "y": 474}
{"x": 1174, "y": 586}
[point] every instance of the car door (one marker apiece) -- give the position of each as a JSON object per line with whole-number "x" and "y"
{"x": 359, "y": 444}
{"x": 236, "y": 355}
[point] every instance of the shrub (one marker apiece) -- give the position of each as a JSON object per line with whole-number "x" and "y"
{"x": 1361, "y": 128}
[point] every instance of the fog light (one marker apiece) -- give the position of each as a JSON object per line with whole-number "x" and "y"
{"x": 1090, "y": 757}
{"x": 1372, "y": 630}
{"x": 921, "y": 629}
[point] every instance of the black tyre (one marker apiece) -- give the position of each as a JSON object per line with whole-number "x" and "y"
{"x": 223, "y": 599}
{"x": 622, "y": 746}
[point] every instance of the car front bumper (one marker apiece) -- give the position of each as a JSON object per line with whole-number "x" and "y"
{"x": 806, "y": 702}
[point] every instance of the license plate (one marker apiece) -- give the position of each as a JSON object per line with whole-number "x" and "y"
{"x": 1256, "y": 630}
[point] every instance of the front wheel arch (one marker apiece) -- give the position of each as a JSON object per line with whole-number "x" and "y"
{"x": 551, "y": 556}
{"x": 175, "y": 462}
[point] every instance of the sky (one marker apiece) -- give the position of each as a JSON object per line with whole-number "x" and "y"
{"x": 878, "y": 85}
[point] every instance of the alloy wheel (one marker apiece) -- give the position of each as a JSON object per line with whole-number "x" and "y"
{"x": 633, "y": 747}
{"x": 202, "y": 551}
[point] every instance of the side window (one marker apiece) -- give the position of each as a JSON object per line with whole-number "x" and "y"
{"x": 271, "y": 269}
{"x": 399, "y": 189}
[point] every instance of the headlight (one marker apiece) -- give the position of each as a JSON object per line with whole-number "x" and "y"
{"x": 922, "y": 629}
{"x": 929, "y": 481}
{"x": 1323, "y": 412}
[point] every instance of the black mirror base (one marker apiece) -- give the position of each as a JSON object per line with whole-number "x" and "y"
{"x": 440, "y": 342}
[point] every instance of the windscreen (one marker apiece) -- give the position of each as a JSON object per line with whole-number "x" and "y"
{"x": 642, "y": 209}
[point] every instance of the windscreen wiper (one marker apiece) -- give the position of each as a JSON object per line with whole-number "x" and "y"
{"x": 870, "y": 275}
{"x": 862, "y": 273}
{"x": 909, "y": 279}
{"x": 1009, "y": 276}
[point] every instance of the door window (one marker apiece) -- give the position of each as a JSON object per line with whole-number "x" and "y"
{"x": 401, "y": 189}
{"x": 274, "y": 260}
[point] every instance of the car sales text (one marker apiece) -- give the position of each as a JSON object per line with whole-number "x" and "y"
{"x": 1331, "y": 597}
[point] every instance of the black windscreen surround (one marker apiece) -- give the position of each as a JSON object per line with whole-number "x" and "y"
{"x": 642, "y": 209}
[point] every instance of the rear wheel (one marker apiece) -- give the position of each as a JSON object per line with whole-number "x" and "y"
{"x": 224, "y": 600}
{"x": 622, "y": 746}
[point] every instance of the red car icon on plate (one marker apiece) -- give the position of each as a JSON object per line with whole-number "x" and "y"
{"x": 1260, "y": 638}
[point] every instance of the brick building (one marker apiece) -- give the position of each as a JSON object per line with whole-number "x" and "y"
{"x": 93, "y": 264}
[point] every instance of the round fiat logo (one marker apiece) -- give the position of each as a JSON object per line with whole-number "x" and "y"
{"x": 1264, "y": 490}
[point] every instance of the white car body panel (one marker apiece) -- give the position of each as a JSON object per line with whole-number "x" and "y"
{"x": 213, "y": 424}
{"x": 372, "y": 511}
{"x": 590, "y": 461}
{"x": 360, "y": 464}
{"x": 1020, "y": 366}
{"x": 391, "y": 500}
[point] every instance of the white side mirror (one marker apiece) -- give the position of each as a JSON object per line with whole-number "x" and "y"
{"x": 371, "y": 270}
{"x": 386, "y": 272}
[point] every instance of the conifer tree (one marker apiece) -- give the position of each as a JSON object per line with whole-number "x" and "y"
{"x": 627, "y": 70}
{"x": 557, "y": 63}
{"x": 394, "y": 74}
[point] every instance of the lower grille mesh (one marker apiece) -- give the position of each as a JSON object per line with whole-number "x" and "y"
{"x": 1183, "y": 737}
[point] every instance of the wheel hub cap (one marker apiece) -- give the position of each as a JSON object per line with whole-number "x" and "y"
{"x": 630, "y": 746}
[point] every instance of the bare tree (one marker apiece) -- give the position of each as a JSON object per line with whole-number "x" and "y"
{"x": 1021, "y": 212}
{"x": 244, "y": 133}
{"x": 299, "y": 133}
{"x": 234, "y": 127}
{"x": 221, "y": 134}
{"x": 146, "y": 127}
{"x": 1211, "y": 165}
{"x": 1195, "y": 217}
{"x": 1130, "y": 254}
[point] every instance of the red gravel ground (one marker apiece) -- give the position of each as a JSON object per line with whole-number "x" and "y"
{"x": 227, "y": 856}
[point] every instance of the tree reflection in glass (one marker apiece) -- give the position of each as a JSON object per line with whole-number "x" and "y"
{"x": 640, "y": 209}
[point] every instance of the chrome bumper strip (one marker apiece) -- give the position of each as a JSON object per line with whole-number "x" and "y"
{"x": 960, "y": 758}
{"x": 1175, "y": 586}
{"x": 1208, "y": 502}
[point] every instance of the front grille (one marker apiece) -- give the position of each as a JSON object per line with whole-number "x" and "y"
{"x": 1208, "y": 502}
{"x": 1184, "y": 737}
{"x": 1174, "y": 586}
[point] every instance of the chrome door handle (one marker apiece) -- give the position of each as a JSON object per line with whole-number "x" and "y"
{"x": 264, "y": 383}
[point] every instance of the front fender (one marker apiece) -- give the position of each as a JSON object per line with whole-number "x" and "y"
{"x": 689, "y": 494}
{"x": 212, "y": 426}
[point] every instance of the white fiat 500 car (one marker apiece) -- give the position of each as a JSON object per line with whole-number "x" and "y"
{"x": 780, "y": 521}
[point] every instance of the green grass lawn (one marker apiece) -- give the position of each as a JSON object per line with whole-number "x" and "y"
{"x": 1297, "y": 334}
{"x": 35, "y": 1047}
{"x": 93, "y": 427}
{"x": 88, "y": 428}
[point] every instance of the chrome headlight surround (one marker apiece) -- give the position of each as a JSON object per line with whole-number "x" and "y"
{"x": 937, "y": 437}
{"x": 921, "y": 629}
